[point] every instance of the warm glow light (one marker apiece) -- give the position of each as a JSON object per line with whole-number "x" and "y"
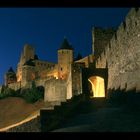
{"x": 19, "y": 78}
{"x": 32, "y": 76}
{"x": 29, "y": 118}
{"x": 56, "y": 77}
{"x": 98, "y": 88}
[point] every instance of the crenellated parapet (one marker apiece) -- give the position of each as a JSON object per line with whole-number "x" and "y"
{"x": 122, "y": 54}
{"x": 100, "y": 38}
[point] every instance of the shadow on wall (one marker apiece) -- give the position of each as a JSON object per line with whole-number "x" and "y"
{"x": 52, "y": 119}
{"x": 128, "y": 99}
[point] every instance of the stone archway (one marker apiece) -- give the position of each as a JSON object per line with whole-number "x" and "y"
{"x": 98, "y": 86}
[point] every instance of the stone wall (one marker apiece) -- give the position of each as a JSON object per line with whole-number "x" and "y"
{"x": 28, "y": 73}
{"x": 86, "y": 60}
{"x": 77, "y": 78}
{"x": 122, "y": 54}
{"x": 15, "y": 86}
{"x": 41, "y": 82}
{"x": 19, "y": 85}
{"x": 38, "y": 82}
{"x": 42, "y": 65}
{"x": 65, "y": 59}
{"x": 44, "y": 69}
{"x": 69, "y": 86}
{"x": 53, "y": 71}
{"x": 100, "y": 38}
{"x": 55, "y": 90}
{"x": 28, "y": 52}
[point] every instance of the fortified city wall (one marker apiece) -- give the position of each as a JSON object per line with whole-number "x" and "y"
{"x": 122, "y": 54}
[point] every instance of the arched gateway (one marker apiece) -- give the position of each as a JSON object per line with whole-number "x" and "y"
{"x": 98, "y": 86}
{"x": 95, "y": 82}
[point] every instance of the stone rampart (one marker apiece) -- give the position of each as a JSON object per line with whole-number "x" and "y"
{"x": 122, "y": 54}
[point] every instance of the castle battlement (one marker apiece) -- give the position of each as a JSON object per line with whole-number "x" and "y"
{"x": 122, "y": 53}
{"x": 55, "y": 78}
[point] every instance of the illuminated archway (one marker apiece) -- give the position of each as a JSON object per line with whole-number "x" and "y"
{"x": 98, "y": 87}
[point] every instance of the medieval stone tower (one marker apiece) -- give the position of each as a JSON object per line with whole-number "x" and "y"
{"x": 100, "y": 39}
{"x": 27, "y": 54}
{"x": 10, "y": 76}
{"x": 65, "y": 59}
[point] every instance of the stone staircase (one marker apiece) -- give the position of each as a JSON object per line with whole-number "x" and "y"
{"x": 53, "y": 114}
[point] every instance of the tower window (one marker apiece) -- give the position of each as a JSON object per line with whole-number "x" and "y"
{"x": 61, "y": 69}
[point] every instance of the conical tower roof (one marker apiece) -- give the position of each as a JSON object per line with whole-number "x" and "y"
{"x": 65, "y": 45}
{"x": 11, "y": 70}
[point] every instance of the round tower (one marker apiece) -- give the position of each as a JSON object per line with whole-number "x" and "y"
{"x": 10, "y": 77}
{"x": 65, "y": 59}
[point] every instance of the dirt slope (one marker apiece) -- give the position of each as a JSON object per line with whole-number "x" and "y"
{"x": 14, "y": 110}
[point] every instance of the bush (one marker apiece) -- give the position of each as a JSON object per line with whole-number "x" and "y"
{"x": 7, "y": 92}
{"x": 32, "y": 95}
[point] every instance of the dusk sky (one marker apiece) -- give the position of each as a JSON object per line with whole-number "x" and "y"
{"x": 45, "y": 28}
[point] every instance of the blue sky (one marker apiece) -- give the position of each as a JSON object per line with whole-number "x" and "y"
{"x": 45, "y": 28}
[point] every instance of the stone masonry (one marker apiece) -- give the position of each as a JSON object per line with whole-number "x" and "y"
{"x": 122, "y": 54}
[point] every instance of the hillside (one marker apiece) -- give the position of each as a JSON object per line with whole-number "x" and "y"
{"x": 14, "y": 110}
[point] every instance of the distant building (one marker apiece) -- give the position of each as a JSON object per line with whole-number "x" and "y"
{"x": 57, "y": 79}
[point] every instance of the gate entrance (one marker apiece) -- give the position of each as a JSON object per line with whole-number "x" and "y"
{"x": 98, "y": 86}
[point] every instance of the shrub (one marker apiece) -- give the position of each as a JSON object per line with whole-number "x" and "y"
{"x": 32, "y": 95}
{"x": 7, "y": 92}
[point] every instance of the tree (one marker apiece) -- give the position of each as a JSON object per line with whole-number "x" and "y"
{"x": 33, "y": 94}
{"x": 7, "y": 92}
